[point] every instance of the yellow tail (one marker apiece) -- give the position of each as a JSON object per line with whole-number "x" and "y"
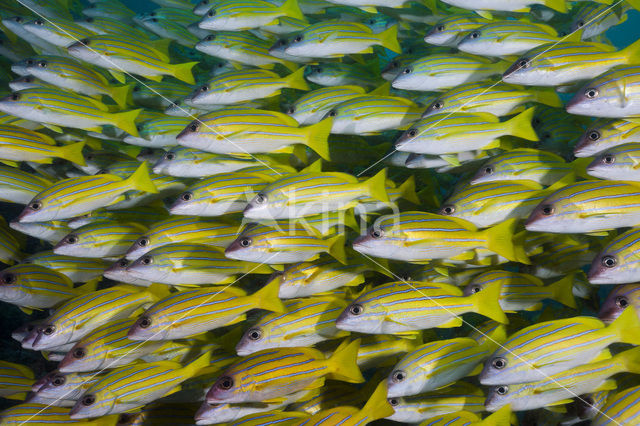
{"x": 73, "y": 153}
{"x": 192, "y": 369}
{"x": 121, "y": 94}
{"x": 547, "y": 96}
{"x": 389, "y": 39}
{"x": 627, "y": 326}
{"x": 520, "y": 125}
{"x": 141, "y": 180}
{"x": 126, "y": 121}
{"x": 267, "y": 298}
{"x": 377, "y": 407}
{"x": 500, "y": 241}
{"x": 318, "y": 137}
{"x": 559, "y": 5}
{"x": 342, "y": 363}
{"x": 562, "y": 291}
{"x": 408, "y": 191}
{"x": 630, "y": 359}
{"x": 501, "y": 417}
{"x": 375, "y": 186}
{"x": 290, "y": 8}
{"x": 632, "y": 52}
{"x": 487, "y": 303}
{"x": 335, "y": 247}
{"x": 183, "y": 72}
{"x": 296, "y": 80}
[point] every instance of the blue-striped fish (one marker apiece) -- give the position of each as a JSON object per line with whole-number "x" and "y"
{"x": 79, "y": 316}
{"x": 133, "y": 386}
{"x": 18, "y": 144}
{"x": 111, "y": 25}
{"x": 551, "y": 347}
{"x": 192, "y": 312}
{"x": 111, "y": 9}
{"x": 277, "y": 417}
{"x": 64, "y": 387}
{"x": 594, "y": 18}
{"x": 619, "y": 409}
{"x": 34, "y": 413}
{"x": 56, "y": 107}
{"x": 158, "y": 132}
{"x": 449, "y": 30}
{"x": 406, "y": 307}
{"x": 604, "y": 134}
{"x": 618, "y": 163}
{"x": 340, "y": 74}
{"x": 75, "y": 196}
{"x": 16, "y": 380}
{"x": 313, "y": 105}
{"x": 285, "y": 243}
{"x": 57, "y": 31}
{"x": 501, "y": 417}
{"x": 79, "y": 270}
{"x": 241, "y": 47}
{"x": 249, "y": 131}
{"x": 234, "y": 15}
{"x": 18, "y": 186}
{"x": 118, "y": 53}
{"x": 190, "y": 264}
{"x": 503, "y": 38}
{"x": 274, "y": 373}
{"x": 617, "y": 262}
{"x": 183, "y": 229}
{"x": 508, "y": 5}
{"x": 622, "y": 296}
{"x": 221, "y": 413}
{"x": 440, "y": 363}
{"x": 100, "y": 240}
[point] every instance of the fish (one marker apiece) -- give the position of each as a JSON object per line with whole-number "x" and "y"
{"x": 17, "y": 380}
{"x": 75, "y": 196}
{"x": 604, "y": 134}
{"x": 208, "y": 413}
{"x": 133, "y": 386}
{"x": 615, "y": 263}
{"x": 617, "y": 163}
{"x": 619, "y": 408}
{"x": 99, "y": 240}
{"x": 406, "y": 307}
{"x": 158, "y": 133}
{"x": 252, "y": 380}
{"x": 59, "y": 31}
{"x": 230, "y": 15}
{"x": 548, "y": 348}
{"x": 622, "y": 296}
{"x": 311, "y": 107}
{"x": 418, "y": 236}
{"x": 508, "y": 6}
{"x": 19, "y": 186}
{"x": 500, "y": 417}
{"x": 36, "y": 412}
{"x": 78, "y": 270}
{"x": 66, "y": 388}
{"x": 18, "y": 144}
{"x": 451, "y": 29}
{"x": 192, "y": 312}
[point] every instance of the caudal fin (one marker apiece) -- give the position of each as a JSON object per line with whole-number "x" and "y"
{"x": 183, "y": 72}
{"x": 376, "y": 188}
{"x": 627, "y": 326}
{"x": 127, "y": 121}
{"x": 629, "y": 359}
{"x": 501, "y": 417}
{"x": 343, "y": 365}
{"x": 141, "y": 180}
{"x": 500, "y": 240}
{"x": 547, "y": 96}
{"x": 562, "y": 291}
{"x": 335, "y": 247}
{"x": 121, "y": 94}
{"x": 192, "y": 369}
{"x": 520, "y": 125}
{"x": 487, "y": 302}
{"x": 318, "y": 137}
{"x": 408, "y": 191}
{"x": 73, "y": 153}
{"x": 296, "y": 80}
{"x": 292, "y": 9}
{"x": 389, "y": 39}
{"x": 267, "y": 298}
{"x": 377, "y": 407}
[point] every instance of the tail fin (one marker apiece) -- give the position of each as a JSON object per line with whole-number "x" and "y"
{"x": 88, "y": 287}
{"x": 627, "y": 326}
{"x": 121, "y": 94}
{"x": 500, "y": 241}
{"x": 487, "y": 303}
{"x": 382, "y": 90}
{"x": 73, "y": 153}
{"x": 335, "y": 247}
{"x": 630, "y": 359}
{"x": 296, "y": 80}
{"x": 408, "y": 191}
{"x": 141, "y": 180}
{"x": 559, "y": 5}
{"x": 377, "y": 407}
{"x": 632, "y": 52}
{"x": 192, "y": 369}
{"x": 126, "y": 121}
{"x": 501, "y": 417}
{"x": 376, "y": 188}
{"x": 183, "y": 72}
{"x": 520, "y": 125}
{"x": 291, "y": 9}
{"x": 579, "y": 167}
{"x": 267, "y": 298}
{"x": 342, "y": 363}
{"x": 318, "y": 137}
{"x": 494, "y": 338}
{"x": 547, "y": 96}
{"x": 389, "y": 39}
{"x": 562, "y": 291}
{"x": 349, "y": 220}
{"x": 159, "y": 291}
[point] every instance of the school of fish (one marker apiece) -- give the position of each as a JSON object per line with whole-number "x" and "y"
{"x": 320, "y": 212}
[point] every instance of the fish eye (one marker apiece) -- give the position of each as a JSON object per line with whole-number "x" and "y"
{"x": 123, "y": 263}
{"x": 88, "y": 400}
{"x": 260, "y": 199}
{"x": 79, "y": 353}
{"x": 210, "y": 37}
{"x": 622, "y": 302}
{"x": 17, "y": 19}
{"x": 298, "y": 38}
{"x": 35, "y": 205}
{"x": 437, "y": 105}
{"x": 499, "y": 363}
{"x": 412, "y": 132}
{"x": 142, "y": 242}
{"x": 144, "y": 322}
{"x": 39, "y": 22}
{"x": 318, "y": 69}
{"x": 591, "y": 93}
{"x": 440, "y": 28}
{"x": 398, "y": 376}
{"x": 42, "y": 64}
{"x": 71, "y": 239}
{"x": 488, "y": 170}
{"x": 146, "y": 260}
{"x": 524, "y": 63}
{"x": 474, "y": 34}
{"x": 8, "y": 278}
{"x": 255, "y": 334}
{"x": 406, "y": 70}
{"x": 594, "y": 135}
{"x": 580, "y": 24}
{"x": 187, "y": 196}
{"x": 332, "y": 113}
{"x": 136, "y": 89}
{"x": 85, "y": 41}
{"x": 502, "y": 390}
{"x": 393, "y": 401}
{"x": 356, "y": 309}
{"x": 448, "y": 209}
{"x": 194, "y": 127}
{"x": 169, "y": 156}
{"x": 58, "y": 380}
{"x": 15, "y": 96}
{"x": 547, "y": 210}
{"x": 291, "y": 110}
{"x": 225, "y": 383}
{"x": 608, "y": 159}
{"x": 476, "y": 289}
{"x": 49, "y": 330}
{"x": 546, "y": 135}
{"x": 245, "y": 242}
{"x": 204, "y": 88}
{"x": 609, "y": 261}
{"x": 376, "y": 233}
